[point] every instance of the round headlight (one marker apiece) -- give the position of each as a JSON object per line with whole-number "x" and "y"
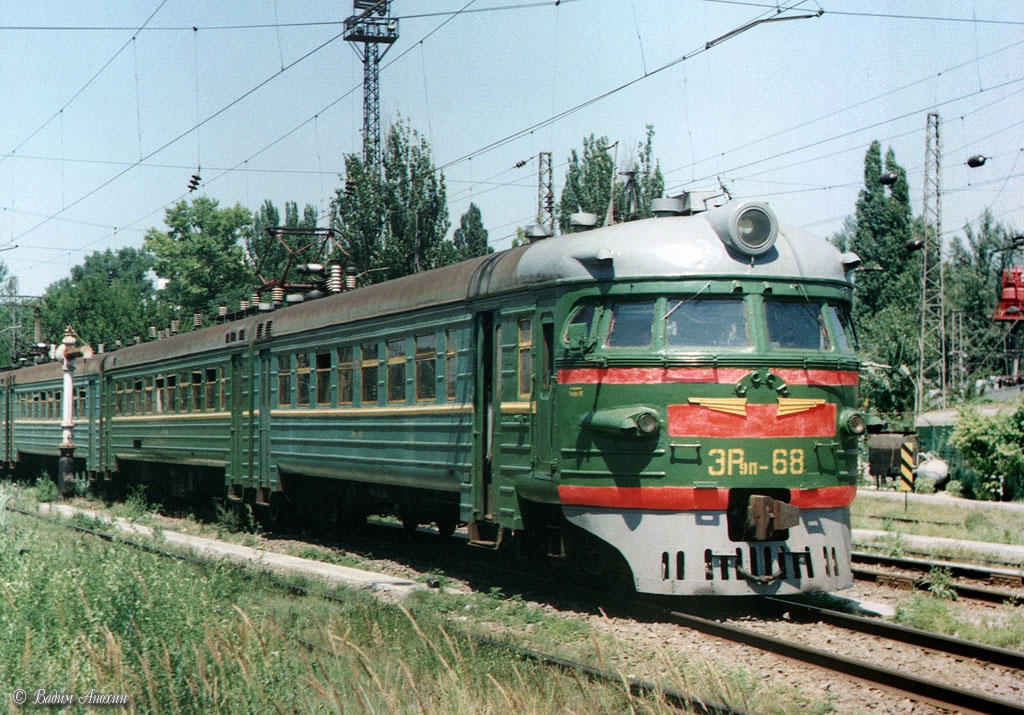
{"x": 646, "y": 423}
{"x": 856, "y": 424}
{"x": 749, "y": 228}
{"x": 754, "y": 230}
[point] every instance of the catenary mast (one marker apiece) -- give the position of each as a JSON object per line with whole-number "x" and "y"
{"x": 371, "y": 26}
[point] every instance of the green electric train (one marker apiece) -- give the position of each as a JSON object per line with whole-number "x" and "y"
{"x": 671, "y": 400}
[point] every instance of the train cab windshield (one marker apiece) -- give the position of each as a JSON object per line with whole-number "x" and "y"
{"x": 717, "y": 323}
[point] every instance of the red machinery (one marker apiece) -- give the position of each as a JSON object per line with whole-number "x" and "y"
{"x": 1011, "y": 299}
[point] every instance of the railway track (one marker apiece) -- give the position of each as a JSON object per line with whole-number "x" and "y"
{"x": 925, "y": 689}
{"x": 993, "y": 585}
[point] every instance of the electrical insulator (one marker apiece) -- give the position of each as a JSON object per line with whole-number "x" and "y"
{"x": 334, "y": 280}
{"x": 888, "y": 178}
{"x": 193, "y": 182}
{"x": 977, "y": 160}
{"x": 520, "y": 164}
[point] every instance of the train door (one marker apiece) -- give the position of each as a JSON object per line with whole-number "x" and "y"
{"x": 5, "y": 410}
{"x": 89, "y": 408}
{"x": 543, "y": 387}
{"x": 486, "y": 408}
{"x": 107, "y": 462}
{"x": 262, "y": 403}
{"x": 237, "y": 467}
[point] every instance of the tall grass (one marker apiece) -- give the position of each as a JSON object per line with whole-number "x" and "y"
{"x": 78, "y": 613}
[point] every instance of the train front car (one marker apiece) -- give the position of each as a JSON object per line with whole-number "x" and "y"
{"x": 707, "y": 398}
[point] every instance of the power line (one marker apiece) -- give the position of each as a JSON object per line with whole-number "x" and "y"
{"x": 604, "y": 95}
{"x": 276, "y": 141}
{"x": 271, "y": 25}
{"x": 85, "y": 86}
{"x": 864, "y": 128}
{"x": 829, "y": 115}
{"x": 181, "y": 136}
{"x": 883, "y": 15}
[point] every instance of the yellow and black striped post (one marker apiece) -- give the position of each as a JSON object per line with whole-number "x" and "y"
{"x": 907, "y": 466}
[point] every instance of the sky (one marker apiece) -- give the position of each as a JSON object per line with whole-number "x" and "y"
{"x": 110, "y": 107}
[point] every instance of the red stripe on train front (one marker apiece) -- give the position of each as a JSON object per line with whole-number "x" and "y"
{"x": 656, "y": 498}
{"x": 817, "y": 377}
{"x": 759, "y": 421}
{"x": 691, "y": 498}
{"x": 647, "y": 375}
{"x": 822, "y": 497}
{"x": 720, "y": 375}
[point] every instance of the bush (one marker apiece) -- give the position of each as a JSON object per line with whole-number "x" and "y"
{"x": 994, "y": 448}
{"x": 46, "y": 488}
{"x": 955, "y": 488}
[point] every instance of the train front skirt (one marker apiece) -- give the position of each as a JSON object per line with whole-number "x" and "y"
{"x": 689, "y": 553}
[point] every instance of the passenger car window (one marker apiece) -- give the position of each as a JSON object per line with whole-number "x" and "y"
{"x": 706, "y": 323}
{"x": 796, "y": 324}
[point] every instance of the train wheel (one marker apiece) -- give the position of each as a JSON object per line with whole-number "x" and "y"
{"x": 278, "y": 510}
{"x": 409, "y": 523}
{"x": 446, "y": 526}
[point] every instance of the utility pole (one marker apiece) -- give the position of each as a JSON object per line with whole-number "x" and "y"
{"x": 931, "y": 366}
{"x": 545, "y": 196}
{"x": 371, "y": 26}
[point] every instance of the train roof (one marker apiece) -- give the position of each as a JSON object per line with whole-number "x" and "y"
{"x": 671, "y": 247}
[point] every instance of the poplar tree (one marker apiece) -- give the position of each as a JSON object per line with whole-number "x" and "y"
{"x": 394, "y": 222}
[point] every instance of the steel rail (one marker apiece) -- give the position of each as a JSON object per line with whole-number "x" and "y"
{"x": 955, "y": 568}
{"x": 905, "y": 634}
{"x": 921, "y": 688}
{"x": 1007, "y": 577}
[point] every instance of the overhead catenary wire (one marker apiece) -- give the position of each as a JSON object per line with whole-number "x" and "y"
{"x": 449, "y": 17}
{"x": 82, "y": 89}
{"x": 183, "y": 134}
{"x": 882, "y": 15}
{"x": 253, "y": 169}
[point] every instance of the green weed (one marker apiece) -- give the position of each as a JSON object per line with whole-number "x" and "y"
{"x": 45, "y": 488}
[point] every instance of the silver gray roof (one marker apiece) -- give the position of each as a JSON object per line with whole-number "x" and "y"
{"x": 675, "y": 246}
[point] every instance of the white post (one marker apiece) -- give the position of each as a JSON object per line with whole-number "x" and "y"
{"x": 67, "y": 352}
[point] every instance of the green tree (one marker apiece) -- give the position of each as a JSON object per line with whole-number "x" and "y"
{"x": 416, "y": 211}
{"x": 200, "y": 256}
{"x": 12, "y": 314}
{"x": 886, "y": 297}
{"x": 109, "y": 296}
{"x": 589, "y": 182}
{"x": 267, "y": 255}
{"x": 394, "y": 223}
{"x": 973, "y": 283}
{"x": 470, "y": 237}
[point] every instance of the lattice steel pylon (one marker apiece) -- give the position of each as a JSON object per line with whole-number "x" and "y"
{"x": 931, "y": 366}
{"x": 371, "y": 26}
{"x": 545, "y": 196}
